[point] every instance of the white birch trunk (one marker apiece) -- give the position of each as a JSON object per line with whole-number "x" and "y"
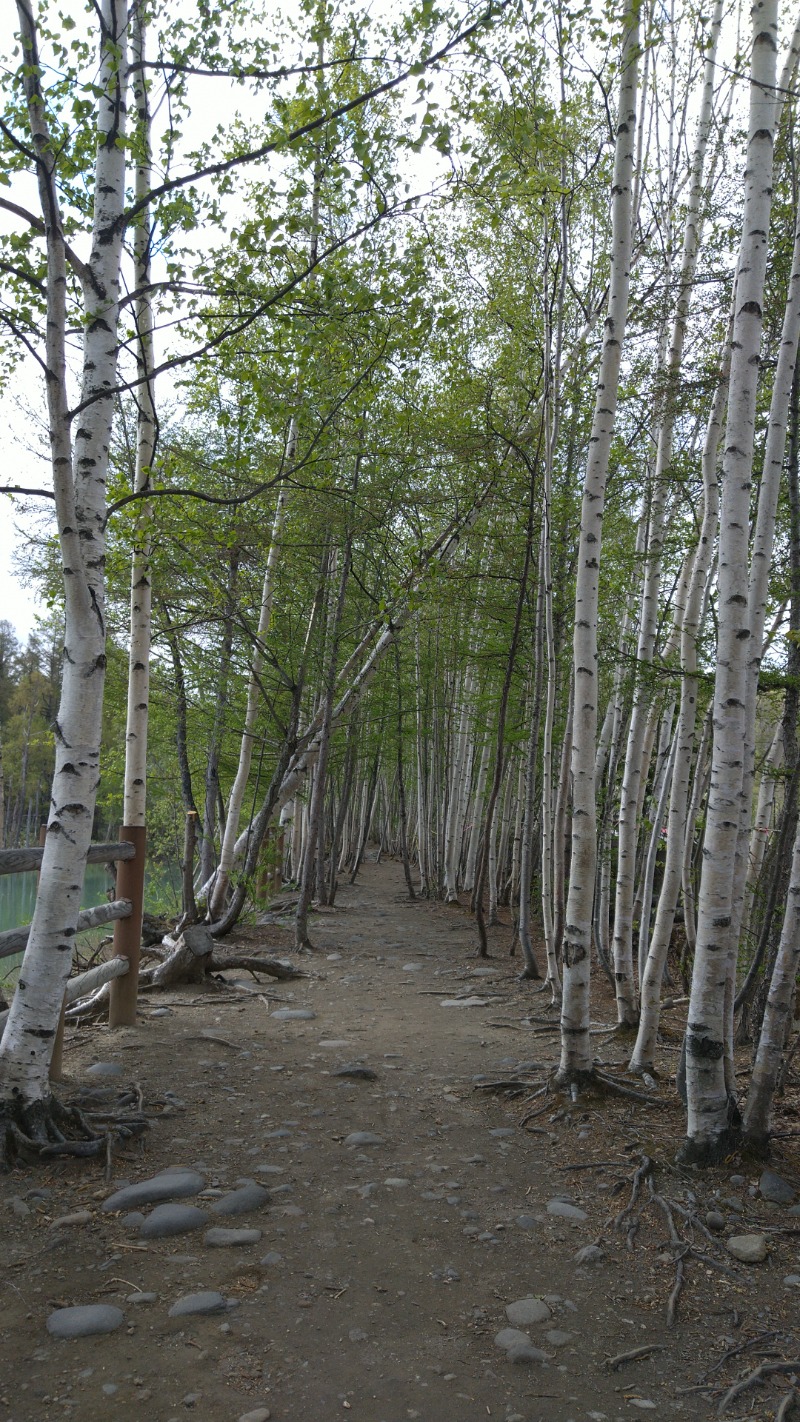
{"x": 776, "y": 1016}
{"x": 476, "y": 815}
{"x": 762, "y": 823}
{"x": 647, "y": 1037}
{"x": 79, "y": 481}
{"x": 627, "y": 1006}
{"x": 239, "y": 787}
{"x": 708, "y": 1103}
{"x": 576, "y": 1054}
{"x": 135, "y": 783}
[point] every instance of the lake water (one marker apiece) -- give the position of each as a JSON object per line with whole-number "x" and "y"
{"x": 18, "y": 896}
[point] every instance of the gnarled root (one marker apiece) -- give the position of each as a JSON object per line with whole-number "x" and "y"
{"x": 41, "y": 1129}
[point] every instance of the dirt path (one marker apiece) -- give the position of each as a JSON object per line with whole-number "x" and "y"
{"x": 384, "y": 1271}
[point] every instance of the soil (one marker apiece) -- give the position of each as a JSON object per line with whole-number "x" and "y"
{"x": 383, "y": 1272}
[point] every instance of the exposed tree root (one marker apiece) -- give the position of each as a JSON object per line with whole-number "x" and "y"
{"x": 42, "y": 1129}
{"x": 764, "y": 1370}
{"x": 682, "y": 1249}
{"x": 786, "y": 1405}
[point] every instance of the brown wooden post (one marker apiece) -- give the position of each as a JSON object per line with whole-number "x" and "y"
{"x": 128, "y": 931}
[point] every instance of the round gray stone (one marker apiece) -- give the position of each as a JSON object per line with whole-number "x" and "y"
{"x": 715, "y": 1220}
{"x": 104, "y": 1069}
{"x": 273, "y": 1257}
{"x": 564, "y": 1211}
{"x": 511, "y": 1338}
{"x": 84, "y": 1321}
{"x": 207, "y": 1301}
{"x": 167, "y": 1220}
{"x": 141, "y": 1298}
{"x": 748, "y": 1248}
{"x": 173, "y": 1184}
{"x": 363, "y": 1138}
{"x": 525, "y": 1353}
{"x": 590, "y": 1254}
{"x": 774, "y": 1188}
{"x": 258, "y": 1414}
{"x": 558, "y": 1337}
{"x": 293, "y": 1014}
{"x": 527, "y": 1221}
{"x": 230, "y": 1238}
{"x": 241, "y": 1201}
{"x": 524, "y": 1312}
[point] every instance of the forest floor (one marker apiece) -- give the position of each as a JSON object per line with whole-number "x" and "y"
{"x": 383, "y": 1271}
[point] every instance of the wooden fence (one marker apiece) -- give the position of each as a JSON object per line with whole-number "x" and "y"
{"x": 125, "y": 912}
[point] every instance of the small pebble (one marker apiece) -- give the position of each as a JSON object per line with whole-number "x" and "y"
{"x": 78, "y": 1217}
{"x": 293, "y": 1014}
{"x": 207, "y": 1301}
{"x": 230, "y": 1238}
{"x": 364, "y": 1138}
{"x": 258, "y": 1414}
{"x": 104, "y": 1069}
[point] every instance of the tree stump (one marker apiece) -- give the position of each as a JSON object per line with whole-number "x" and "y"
{"x": 189, "y": 959}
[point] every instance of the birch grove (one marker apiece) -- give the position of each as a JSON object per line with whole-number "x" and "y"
{"x": 466, "y": 524}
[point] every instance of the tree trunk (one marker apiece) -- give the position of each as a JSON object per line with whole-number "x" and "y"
{"x": 576, "y": 1054}
{"x": 707, "y": 1094}
{"x": 79, "y": 481}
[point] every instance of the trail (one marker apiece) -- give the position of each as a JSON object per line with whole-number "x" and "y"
{"x": 384, "y": 1271}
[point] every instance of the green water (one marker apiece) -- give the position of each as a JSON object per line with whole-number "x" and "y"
{"x": 18, "y": 896}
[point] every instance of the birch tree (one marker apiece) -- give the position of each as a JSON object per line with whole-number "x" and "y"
{"x": 80, "y": 437}
{"x": 576, "y": 1054}
{"x": 709, "y": 1104}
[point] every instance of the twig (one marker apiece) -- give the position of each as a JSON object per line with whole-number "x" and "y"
{"x": 639, "y": 1178}
{"x": 672, "y": 1301}
{"x": 740, "y": 1348}
{"x": 619, "y": 1090}
{"x": 591, "y": 1165}
{"x": 643, "y": 1352}
{"x": 515, "y": 1085}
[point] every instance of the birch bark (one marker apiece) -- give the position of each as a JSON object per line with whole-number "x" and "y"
{"x": 135, "y": 785}
{"x": 80, "y": 463}
{"x": 627, "y": 1006}
{"x": 707, "y": 1095}
{"x": 644, "y": 1050}
{"x": 576, "y": 1055}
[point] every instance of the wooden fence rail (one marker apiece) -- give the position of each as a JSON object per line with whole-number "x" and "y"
{"x": 18, "y": 861}
{"x": 85, "y": 983}
{"x": 14, "y": 939}
{"x": 122, "y": 971}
